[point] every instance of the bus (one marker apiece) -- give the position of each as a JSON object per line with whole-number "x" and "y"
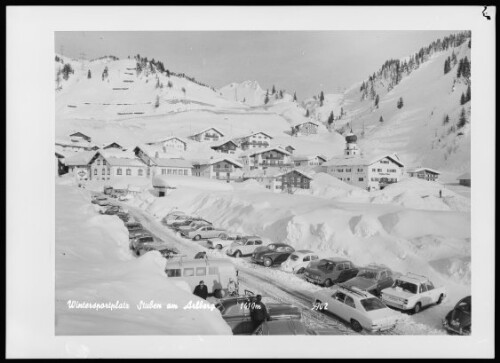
{"x": 214, "y": 272}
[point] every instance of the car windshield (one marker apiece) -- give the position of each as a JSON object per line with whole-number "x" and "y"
{"x": 372, "y": 303}
{"x": 326, "y": 265}
{"x": 406, "y": 286}
{"x": 281, "y": 249}
{"x": 294, "y": 257}
{"x": 271, "y": 247}
{"x": 147, "y": 239}
{"x": 369, "y": 274}
{"x": 464, "y": 306}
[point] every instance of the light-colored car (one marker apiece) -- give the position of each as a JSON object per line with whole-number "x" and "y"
{"x": 205, "y": 232}
{"x": 412, "y": 292}
{"x": 176, "y": 218}
{"x": 225, "y": 241}
{"x": 244, "y": 247}
{"x": 183, "y": 230}
{"x": 298, "y": 261}
{"x": 359, "y": 308}
{"x": 172, "y": 216}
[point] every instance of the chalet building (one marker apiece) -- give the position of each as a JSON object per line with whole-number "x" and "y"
{"x": 161, "y": 186}
{"x": 280, "y": 180}
{"x": 256, "y": 140}
{"x": 109, "y": 166}
{"x": 220, "y": 169}
{"x": 173, "y": 142}
{"x": 227, "y": 147}
{"x": 464, "y": 179}
{"x": 113, "y": 145}
{"x": 78, "y": 164}
{"x": 76, "y": 145}
{"x": 162, "y": 163}
{"x": 61, "y": 166}
{"x": 423, "y": 173}
{"x": 311, "y": 160}
{"x": 290, "y": 149}
{"x": 265, "y": 158}
{"x": 370, "y": 173}
{"x": 80, "y": 136}
{"x": 210, "y": 134}
{"x": 305, "y": 128}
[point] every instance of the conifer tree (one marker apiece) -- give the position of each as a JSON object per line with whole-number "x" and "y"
{"x": 446, "y": 119}
{"x": 157, "y": 102}
{"x": 462, "y": 120}
{"x": 294, "y": 97}
{"x": 467, "y": 94}
{"x": 463, "y": 101}
{"x": 321, "y": 98}
{"x": 307, "y": 113}
{"x": 377, "y": 99}
{"x": 331, "y": 118}
{"x": 447, "y": 67}
{"x": 273, "y": 91}
{"x": 266, "y": 99}
{"x": 381, "y": 119}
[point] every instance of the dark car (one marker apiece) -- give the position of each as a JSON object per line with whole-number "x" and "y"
{"x": 123, "y": 216}
{"x": 236, "y": 312}
{"x": 141, "y": 242}
{"x": 329, "y": 271}
{"x": 372, "y": 278}
{"x": 283, "y": 327}
{"x": 272, "y": 254}
{"x": 166, "y": 251}
{"x": 114, "y": 209}
{"x": 136, "y": 233}
{"x": 458, "y": 320}
{"x": 133, "y": 226}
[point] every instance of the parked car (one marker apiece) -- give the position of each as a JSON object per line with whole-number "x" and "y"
{"x": 205, "y": 232}
{"x": 372, "y": 278}
{"x": 125, "y": 217}
{"x": 132, "y": 226}
{"x": 298, "y": 261}
{"x": 412, "y": 292}
{"x": 458, "y": 320}
{"x": 359, "y": 308}
{"x": 98, "y": 198}
{"x": 192, "y": 226}
{"x": 275, "y": 253}
{"x": 125, "y": 197}
{"x": 236, "y": 312}
{"x": 168, "y": 220}
{"x": 141, "y": 241}
{"x": 103, "y": 202}
{"x": 225, "y": 241}
{"x": 186, "y": 222}
{"x": 244, "y": 247}
{"x": 329, "y": 271}
{"x": 112, "y": 210}
{"x": 136, "y": 233}
{"x": 283, "y": 327}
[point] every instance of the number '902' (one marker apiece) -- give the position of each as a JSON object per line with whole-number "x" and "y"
{"x": 320, "y": 306}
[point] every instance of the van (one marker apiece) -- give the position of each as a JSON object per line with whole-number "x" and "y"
{"x": 214, "y": 272}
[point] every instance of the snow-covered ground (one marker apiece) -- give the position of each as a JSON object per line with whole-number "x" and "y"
{"x": 94, "y": 265}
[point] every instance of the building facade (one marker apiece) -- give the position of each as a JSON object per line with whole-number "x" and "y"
{"x": 257, "y": 140}
{"x": 162, "y": 163}
{"x": 424, "y": 173}
{"x": 173, "y": 142}
{"x": 312, "y": 160}
{"x": 265, "y": 158}
{"x": 305, "y": 128}
{"x": 220, "y": 169}
{"x": 104, "y": 167}
{"x": 228, "y": 147}
{"x": 211, "y": 134}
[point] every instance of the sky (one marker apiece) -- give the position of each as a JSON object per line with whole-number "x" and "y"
{"x": 305, "y": 62}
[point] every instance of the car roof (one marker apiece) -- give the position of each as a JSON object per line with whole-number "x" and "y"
{"x": 354, "y": 292}
{"x": 278, "y": 327}
{"x": 414, "y": 278}
{"x": 303, "y": 252}
{"x": 375, "y": 267}
{"x": 335, "y": 259}
{"x": 279, "y": 244}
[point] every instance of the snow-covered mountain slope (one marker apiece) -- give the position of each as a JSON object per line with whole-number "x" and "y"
{"x": 247, "y": 92}
{"x": 418, "y": 131}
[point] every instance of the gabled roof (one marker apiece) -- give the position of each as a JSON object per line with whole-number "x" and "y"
{"x": 308, "y": 157}
{"x": 78, "y": 133}
{"x": 270, "y": 148}
{"x": 79, "y": 143}
{"x": 297, "y": 171}
{"x": 254, "y": 133}
{"x": 217, "y": 160}
{"x": 120, "y": 158}
{"x": 207, "y": 129}
{"x": 361, "y": 160}
{"x": 464, "y": 176}
{"x": 177, "y": 162}
{"x": 273, "y": 173}
{"x": 167, "y": 139}
{"x": 416, "y": 170}
{"x": 305, "y": 122}
{"x": 156, "y": 151}
{"x": 81, "y": 158}
{"x": 290, "y": 146}
{"x": 108, "y": 145}
{"x": 223, "y": 143}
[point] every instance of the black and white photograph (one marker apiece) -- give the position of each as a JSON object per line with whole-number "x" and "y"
{"x": 202, "y": 186}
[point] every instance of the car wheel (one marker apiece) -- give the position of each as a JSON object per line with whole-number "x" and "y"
{"x": 268, "y": 262}
{"x": 328, "y": 283}
{"x": 237, "y": 254}
{"x": 219, "y": 247}
{"x": 417, "y": 308}
{"x": 300, "y": 270}
{"x": 197, "y": 237}
{"x": 440, "y": 300}
{"x": 356, "y": 326}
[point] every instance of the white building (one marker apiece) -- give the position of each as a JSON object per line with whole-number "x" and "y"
{"x": 109, "y": 165}
{"x": 218, "y": 168}
{"x": 423, "y": 173}
{"x": 308, "y": 160}
{"x": 173, "y": 142}
{"x": 161, "y": 162}
{"x": 305, "y": 128}
{"x": 265, "y": 158}
{"x": 366, "y": 172}
{"x": 280, "y": 180}
{"x": 256, "y": 140}
{"x": 210, "y": 134}
{"x": 78, "y": 164}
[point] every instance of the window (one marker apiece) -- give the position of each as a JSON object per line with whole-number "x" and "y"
{"x": 314, "y": 257}
{"x": 201, "y": 271}
{"x": 95, "y": 171}
{"x": 307, "y": 258}
{"x": 391, "y": 170}
{"x": 185, "y": 172}
{"x": 139, "y": 172}
{"x": 422, "y": 288}
{"x": 163, "y": 171}
{"x": 360, "y": 169}
{"x": 379, "y": 170}
{"x": 148, "y": 171}
{"x": 213, "y": 270}
{"x": 129, "y": 172}
{"x": 348, "y": 170}
{"x": 103, "y": 162}
{"x": 173, "y": 272}
{"x": 374, "y": 170}
{"x": 258, "y": 242}
{"x": 119, "y": 171}
{"x": 169, "y": 171}
{"x": 98, "y": 161}
{"x": 360, "y": 179}
{"x": 174, "y": 171}
{"x": 348, "y": 179}
{"x": 109, "y": 172}
{"x": 103, "y": 172}
{"x": 180, "y": 171}
{"x": 340, "y": 296}
{"x": 350, "y": 302}
{"x": 189, "y": 271}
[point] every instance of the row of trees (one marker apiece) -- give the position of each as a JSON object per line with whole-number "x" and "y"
{"x": 465, "y": 96}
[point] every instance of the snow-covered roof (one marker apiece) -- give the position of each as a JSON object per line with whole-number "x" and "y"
{"x": 116, "y": 157}
{"x": 76, "y": 143}
{"x": 161, "y": 181}
{"x": 360, "y": 160}
{"x": 273, "y": 173}
{"x": 217, "y": 160}
{"x": 156, "y": 151}
{"x": 303, "y": 173}
{"x": 173, "y": 162}
{"x": 464, "y": 176}
{"x": 110, "y": 144}
{"x": 223, "y": 143}
{"x": 208, "y": 129}
{"x": 78, "y": 133}
{"x": 260, "y": 151}
{"x": 416, "y": 170}
{"x": 124, "y": 161}
{"x": 79, "y": 158}
{"x": 290, "y": 146}
{"x": 308, "y": 157}
{"x": 253, "y": 133}
{"x": 167, "y": 139}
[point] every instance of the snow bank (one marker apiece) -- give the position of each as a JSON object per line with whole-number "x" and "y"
{"x": 94, "y": 266}
{"x": 327, "y": 186}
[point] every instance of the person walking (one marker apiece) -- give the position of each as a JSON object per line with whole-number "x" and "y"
{"x": 201, "y": 290}
{"x": 258, "y": 312}
{"x": 232, "y": 288}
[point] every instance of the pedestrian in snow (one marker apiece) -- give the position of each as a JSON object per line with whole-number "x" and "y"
{"x": 232, "y": 288}
{"x": 258, "y": 312}
{"x": 201, "y": 290}
{"x": 440, "y": 193}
